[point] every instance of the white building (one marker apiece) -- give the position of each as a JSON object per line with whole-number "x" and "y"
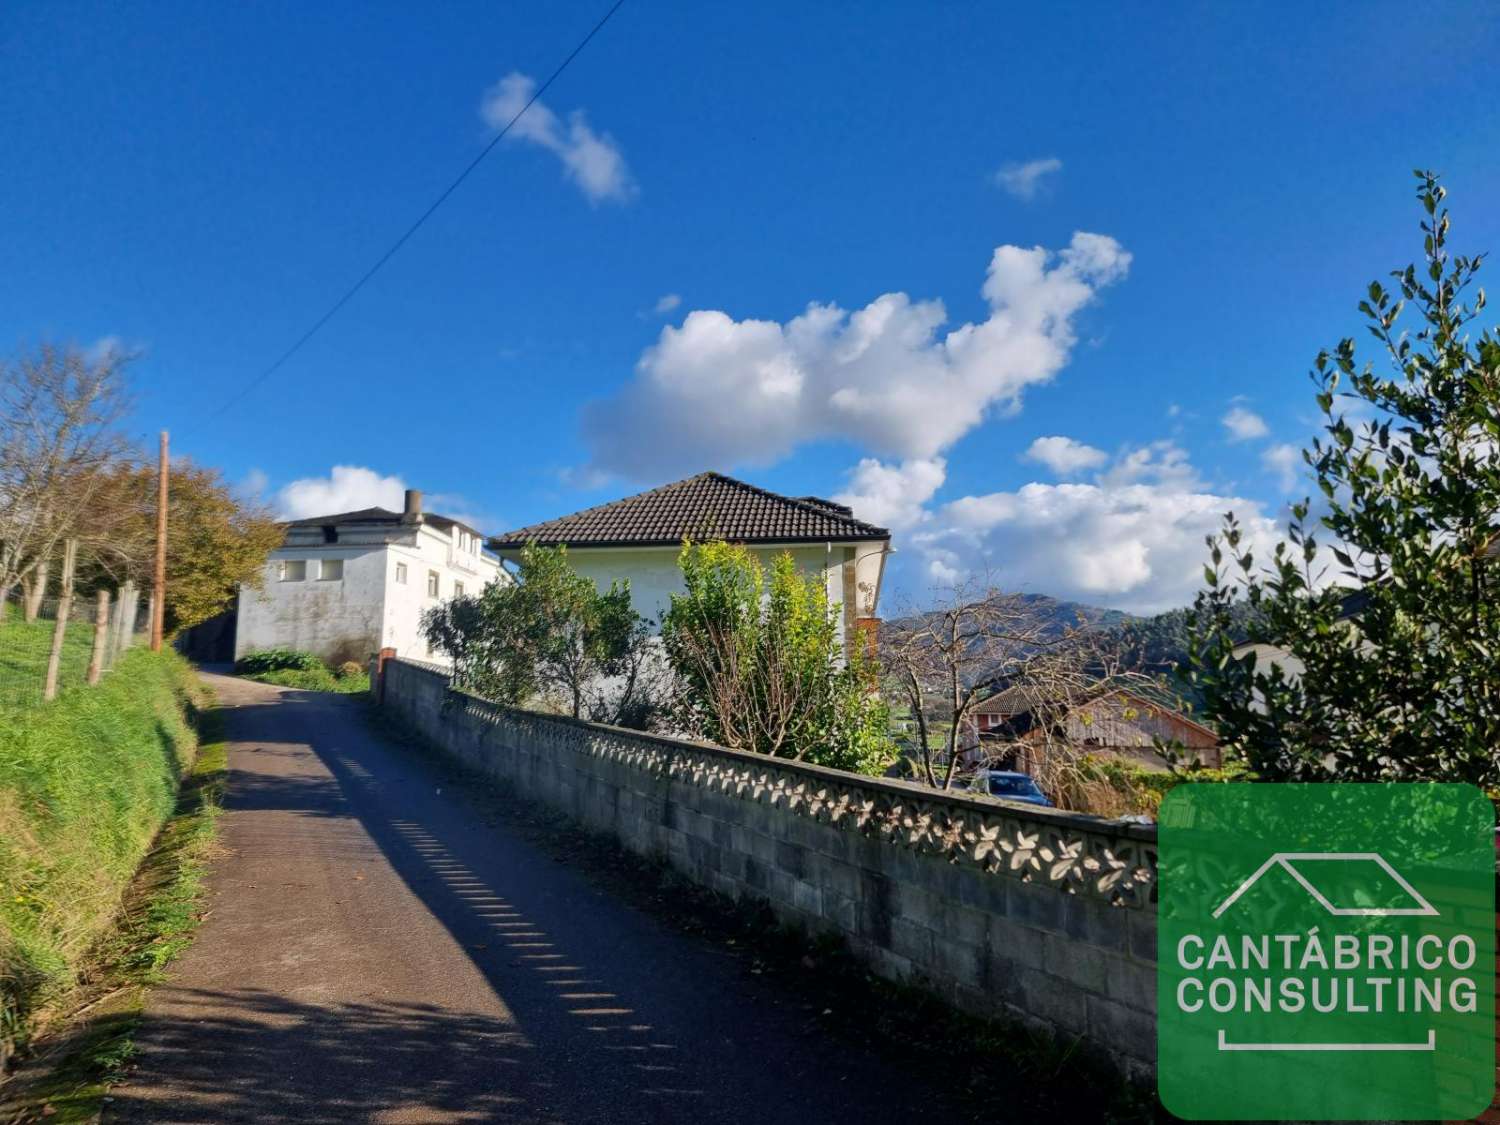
{"x": 639, "y": 538}
{"x": 344, "y": 586}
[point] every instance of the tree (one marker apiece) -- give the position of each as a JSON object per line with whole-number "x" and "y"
{"x": 760, "y": 667}
{"x": 216, "y": 541}
{"x": 60, "y": 410}
{"x": 1389, "y": 672}
{"x": 942, "y": 662}
{"x": 550, "y": 634}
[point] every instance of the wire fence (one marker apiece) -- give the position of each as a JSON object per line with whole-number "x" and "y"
{"x": 46, "y": 648}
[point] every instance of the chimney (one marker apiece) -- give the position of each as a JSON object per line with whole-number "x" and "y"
{"x": 413, "y": 512}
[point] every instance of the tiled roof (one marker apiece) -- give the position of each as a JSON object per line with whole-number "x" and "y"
{"x": 707, "y": 506}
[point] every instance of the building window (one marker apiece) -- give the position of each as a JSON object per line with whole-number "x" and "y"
{"x": 401, "y": 573}
{"x": 292, "y": 570}
{"x": 432, "y": 583}
{"x": 458, "y": 589}
{"x": 331, "y": 570}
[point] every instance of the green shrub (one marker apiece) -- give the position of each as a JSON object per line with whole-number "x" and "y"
{"x": 85, "y": 783}
{"x": 1142, "y": 789}
{"x": 276, "y": 660}
{"x": 349, "y": 669}
{"x": 314, "y": 679}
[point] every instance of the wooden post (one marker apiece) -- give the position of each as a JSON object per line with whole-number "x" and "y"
{"x": 101, "y": 637}
{"x": 60, "y": 627}
{"x": 159, "y": 599}
{"x": 36, "y": 589}
{"x": 127, "y": 606}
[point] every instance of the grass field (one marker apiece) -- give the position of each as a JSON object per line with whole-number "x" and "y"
{"x": 23, "y": 659}
{"x": 86, "y": 781}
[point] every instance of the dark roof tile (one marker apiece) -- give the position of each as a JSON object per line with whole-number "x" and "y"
{"x": 707, "y": 506}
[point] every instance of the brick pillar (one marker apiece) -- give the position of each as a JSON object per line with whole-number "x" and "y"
{"x": 380, "y": 658}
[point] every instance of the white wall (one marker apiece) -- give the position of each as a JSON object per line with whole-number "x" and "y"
{"x": 314, "y": 615}
{"x": 406, "y": 602}
{"x": 368, "y": 609}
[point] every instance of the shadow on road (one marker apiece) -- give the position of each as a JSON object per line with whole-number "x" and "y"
{"x": 603, "y": 1014}
{"x": 279, "y": 1059}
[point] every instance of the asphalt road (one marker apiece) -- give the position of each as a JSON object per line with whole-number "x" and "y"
{"x": 377, "y": 951}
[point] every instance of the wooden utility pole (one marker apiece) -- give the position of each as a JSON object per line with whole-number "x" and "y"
{"x": 101, "y": 637}
{"x": 60, "y": 626}
{"x": 159, "y": 594}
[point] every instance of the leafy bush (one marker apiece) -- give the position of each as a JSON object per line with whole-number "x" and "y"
{"x": 276, "y": 660}
{"x": 349, "y": 669}
{"x": 86, "y": 781}
{"x": 550, "y": 638}
{"x": 315, "y": 679}
{"x": 760, "y": 666}
{"x": 1387, "y": 665}
{"x": 1109, "y": 785}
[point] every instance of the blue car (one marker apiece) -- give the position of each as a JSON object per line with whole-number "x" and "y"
{"x": 1011, "y": 786}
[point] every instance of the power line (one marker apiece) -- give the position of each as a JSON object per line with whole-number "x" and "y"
{"x": 411, "y": 230}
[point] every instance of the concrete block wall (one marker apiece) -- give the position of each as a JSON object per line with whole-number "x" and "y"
{"x": 1040, "y": 915}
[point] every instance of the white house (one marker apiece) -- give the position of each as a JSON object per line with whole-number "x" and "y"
{"x": 344, "y": 586}
{"x": 639, "y": 538}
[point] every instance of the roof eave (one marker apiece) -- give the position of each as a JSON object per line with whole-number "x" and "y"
{"x": 516, "y": 544}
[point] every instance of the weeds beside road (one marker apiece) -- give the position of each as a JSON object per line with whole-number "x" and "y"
{"x": 86, "y": 783}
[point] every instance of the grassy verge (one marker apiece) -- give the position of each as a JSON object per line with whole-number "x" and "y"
{"x": 24, "y": 646}
{"x": 86, "y": 783}
{"x": 987, "y": 1068}
{"x": 315, "y": 679}
{"x": 88, "y": 1046}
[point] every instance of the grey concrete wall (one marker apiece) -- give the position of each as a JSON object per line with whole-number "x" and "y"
{"x": 1045, "y": 916}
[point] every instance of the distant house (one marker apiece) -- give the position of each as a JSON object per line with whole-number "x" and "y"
{"x": 344, "y": 586}
{"x": 639, "y": 538}
{"x": 1016, "y": 723}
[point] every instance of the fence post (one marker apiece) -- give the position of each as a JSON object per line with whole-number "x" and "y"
{"x": 60, "y": 627}
{"x": 101, "y": 635}
{"x": 127, "y": 606}
{"x": 37, "y": 589}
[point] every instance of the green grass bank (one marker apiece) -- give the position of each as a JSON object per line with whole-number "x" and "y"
{"x": 24, "y": 646}
{"x": 86, "y": 783}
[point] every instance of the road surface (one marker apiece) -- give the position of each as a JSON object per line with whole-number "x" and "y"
{"x": 376, "y": 951}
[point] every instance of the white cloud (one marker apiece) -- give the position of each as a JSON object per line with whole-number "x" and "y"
{"x": 720, "y": 391}
{"x": 1132, "y": 539}
{"x": 255, "y": 484}
{"x": 346, "y": 488}
{"x": 1284, "y": 460}
{"x": 1244, "y": 425}
{"x": 893, "y": 496}
{"x": 593, "y": 160}
{"x": 1024, "y": 180}
{"x": 667, "y": 303}
{"x": 1064, "y": 456}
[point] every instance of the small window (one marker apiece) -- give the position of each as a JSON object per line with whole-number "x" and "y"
{"x": 401, "y": 573}
{"x": 292, "y": 570}
{"x": 331, "y": 570}
{"x": 432, "y": 583}
{"x": 458, "y": 589}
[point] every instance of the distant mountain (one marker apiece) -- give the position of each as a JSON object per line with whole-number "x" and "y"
{"x": 1053, "y": 615}
{"x": 1156, "y": 645}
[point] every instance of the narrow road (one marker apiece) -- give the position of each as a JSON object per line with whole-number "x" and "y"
{"x": 376, "y": 951}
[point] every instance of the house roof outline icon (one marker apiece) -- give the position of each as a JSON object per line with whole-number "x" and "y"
{"x": 1287, "y": 862}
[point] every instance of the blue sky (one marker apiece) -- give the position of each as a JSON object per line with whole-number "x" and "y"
{"x": 200, "y": 183}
